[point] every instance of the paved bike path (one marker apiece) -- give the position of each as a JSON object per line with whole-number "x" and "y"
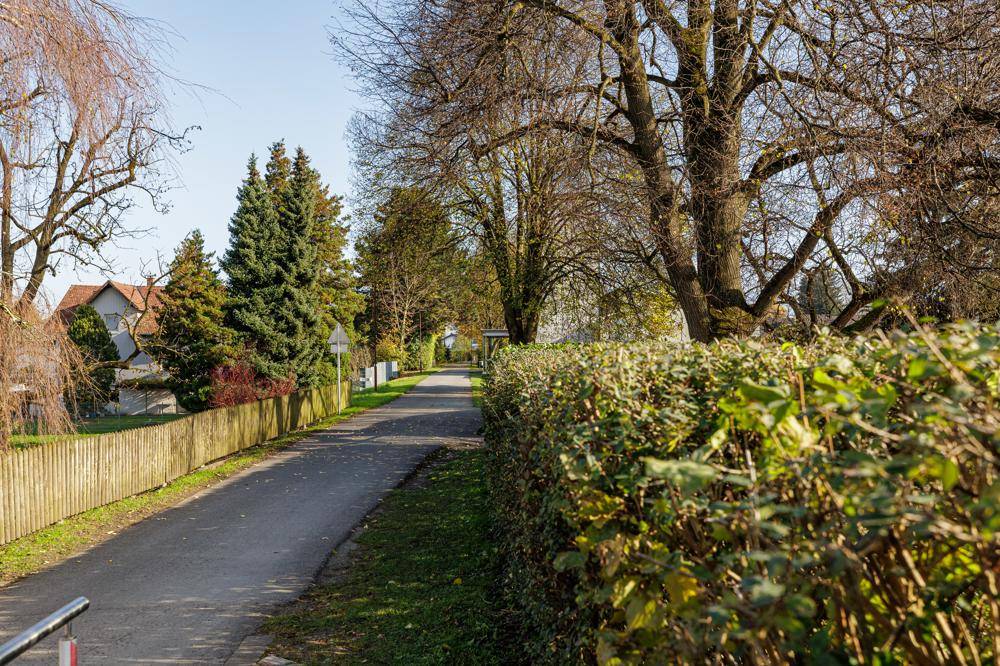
{"x": 187, "y": 585}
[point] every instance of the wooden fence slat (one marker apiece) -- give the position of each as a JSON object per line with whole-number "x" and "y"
{"x": 30, "y": 484}
{"x": 4, "y": 505}
{"x": 14, "y": 526}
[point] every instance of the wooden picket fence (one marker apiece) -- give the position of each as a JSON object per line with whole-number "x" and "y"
{"x": 44, "y": 484}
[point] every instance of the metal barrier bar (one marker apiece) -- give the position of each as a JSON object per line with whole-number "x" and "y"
{"x": 21, "y": 643}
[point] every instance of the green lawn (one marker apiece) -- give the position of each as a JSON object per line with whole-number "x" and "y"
{"x": 56, "y": 542}
{"x": 97, "y": 426}
{"x": 386, "y": 392}
{"x": 476, "y": 377}
{"x": 421, "y": 589}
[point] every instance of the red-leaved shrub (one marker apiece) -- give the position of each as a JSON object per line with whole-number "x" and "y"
{"x": 273, "y": 388}
{"x": 239, "y": 383}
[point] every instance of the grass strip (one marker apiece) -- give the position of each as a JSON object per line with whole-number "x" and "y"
{"x": 476, "y": 377}
{"x": 68, "y": 537}
{"x": 421, "y": 588}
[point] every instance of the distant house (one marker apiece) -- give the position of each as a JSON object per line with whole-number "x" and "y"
{"x": 449, "y": 339}
{"x": 141, "y": 386}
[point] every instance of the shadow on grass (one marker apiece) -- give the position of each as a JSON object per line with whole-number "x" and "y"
{"x": 421, "y": 588}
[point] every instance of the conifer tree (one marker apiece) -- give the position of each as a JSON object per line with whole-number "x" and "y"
{"x": 335, "y": 297}
{"x": 299, "y": 311}
{"x": 278, "y": 172}
{"x": 408, "y": 258}
{"x": 820, "y": 294}
{"x": 289, "y": 279}
{"x": 193, "y": 339}
{"x": 88, "y": 332}
{"x": 253, "y": 266}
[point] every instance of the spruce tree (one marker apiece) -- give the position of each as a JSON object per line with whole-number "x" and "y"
{"x": 820, "y": 293}
{"x": 287, "y": 292}
{"x": 193, "y": 339}
{"x": 278, "y": 172}
{"x": 253, "y": 265}
{"x": 408, "y": 257}
{"x": 95, "y": 385}
{"x": 299, "y": 311}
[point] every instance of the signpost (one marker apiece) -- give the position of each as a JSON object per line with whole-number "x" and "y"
{"x": 340, "y": 341}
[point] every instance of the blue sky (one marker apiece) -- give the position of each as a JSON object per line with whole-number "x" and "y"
{"x": 275, "y": 78}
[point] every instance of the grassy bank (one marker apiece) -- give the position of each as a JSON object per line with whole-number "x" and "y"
{"x": 67, "y": 537}
{"x": 421, "y": 586}
{"x": 476, "y": 377}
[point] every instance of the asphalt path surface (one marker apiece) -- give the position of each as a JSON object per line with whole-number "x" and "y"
{"x": 187, "y": 585}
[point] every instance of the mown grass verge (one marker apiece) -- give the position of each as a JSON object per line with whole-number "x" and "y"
{"x": 421, "y": 588}
{"x": 68, "y": 537}
{"x": 476, "y": 378}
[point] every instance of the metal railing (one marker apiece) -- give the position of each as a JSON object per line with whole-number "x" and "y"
{"x": 63, "y": 617}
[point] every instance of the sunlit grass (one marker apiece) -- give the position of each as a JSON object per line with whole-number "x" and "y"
{"x": 422, "y": 589}
{"x": 476, "y": 377}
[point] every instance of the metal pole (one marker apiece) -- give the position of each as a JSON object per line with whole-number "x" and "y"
{"x": 339, "y": 387}
{"x": 67, "y": 647}
{"x": 20, "y": 644}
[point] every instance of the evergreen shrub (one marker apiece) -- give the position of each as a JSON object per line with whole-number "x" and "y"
{"x": 751, "y": 502}
{"x": 388, "y": 350}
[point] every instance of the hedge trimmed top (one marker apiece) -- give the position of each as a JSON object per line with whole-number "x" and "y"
{"x": 753, "y": 502}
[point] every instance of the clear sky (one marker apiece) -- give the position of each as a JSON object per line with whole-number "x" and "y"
{"x": 275, "y": 78}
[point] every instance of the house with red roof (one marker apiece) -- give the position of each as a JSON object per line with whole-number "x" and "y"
{"x": 129, "y": 312}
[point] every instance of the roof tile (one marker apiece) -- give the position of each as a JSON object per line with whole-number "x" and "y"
{"x": 78, "y": 294}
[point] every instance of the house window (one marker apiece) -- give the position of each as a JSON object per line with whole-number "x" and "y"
{"x": 112, "y": 321}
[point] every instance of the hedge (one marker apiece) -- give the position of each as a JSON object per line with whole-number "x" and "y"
{"x": 421, "y": 353}
{"x": 751, "y": 502}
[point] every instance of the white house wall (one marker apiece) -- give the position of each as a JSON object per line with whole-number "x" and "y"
{"x": 133, "y": 402}
{"x": 111, "y": 302}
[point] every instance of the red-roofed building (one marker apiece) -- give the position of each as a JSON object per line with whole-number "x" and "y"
{"x": 120, "y": 300}
{"x": 126, "y": 309}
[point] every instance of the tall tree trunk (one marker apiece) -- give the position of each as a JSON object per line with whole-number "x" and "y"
{"x": 39, "y": 267}
{"x": 6, "y": 230}
{"x": 719, "y": 216}
{"x": 6, "y": 260}
{"x": 712, "y": 136}
{"x": 665, "y": 219}
{"x": 522, "y": 323}
{"x": 666, "y": 223}
{"x": 710, "y": 295}
{"x": 522, "y": 299}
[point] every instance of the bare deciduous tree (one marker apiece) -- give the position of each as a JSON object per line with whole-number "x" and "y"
{"x": 766, "y": 138}
{"x": 37, "y": 363}
{"x": 526, "y": 204}
{"x": 82, "y": 129}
